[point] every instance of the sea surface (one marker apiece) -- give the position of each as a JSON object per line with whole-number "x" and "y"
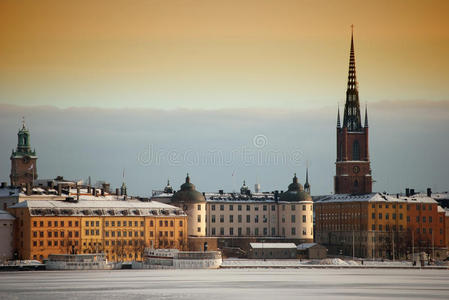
{"x": 227, "y": 284}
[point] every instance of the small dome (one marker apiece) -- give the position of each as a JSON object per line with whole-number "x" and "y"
{"x": 295, "y": 192}
{"x": 168, "y": 189}
{"x": 188, "y": 193}
{"x": 244, "y": 189}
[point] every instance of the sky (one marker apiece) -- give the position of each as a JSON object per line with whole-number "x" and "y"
{"x": 101, "y": 81}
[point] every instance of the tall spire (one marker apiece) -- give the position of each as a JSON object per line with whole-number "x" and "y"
{"x": 366, "y": 116}
{"x": 307, "y": 184}
{"x": 338, "y": 117}
{"x": 351, "y": 118}
{"x": 352, "y": 80}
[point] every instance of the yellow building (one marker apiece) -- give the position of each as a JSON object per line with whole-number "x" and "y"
{"x": 120, "y": 229}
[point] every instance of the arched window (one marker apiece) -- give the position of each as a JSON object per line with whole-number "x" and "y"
{"x": 356, "y": 150}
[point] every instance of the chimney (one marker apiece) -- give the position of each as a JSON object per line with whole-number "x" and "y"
{"x": 94, "y": 191}
{"x": 59, "y": 189}
{"x": 106, "y": 187}
{"x": 276, "y": 195}
{"x": 412, "y": 192}
{"x": 88, "y": 189}
{"x": 407, "y": 192}
{"x": 4, "y": 185}
{"x": 28, "y": 189}
{"x": 102, "y": 192}
{"x": 117, "y": 191}
{"x": 77, "y": 193}
{"x": 397, "y": 196}
{"x": 429, "y": 192}
{"x": 220, "y": 192}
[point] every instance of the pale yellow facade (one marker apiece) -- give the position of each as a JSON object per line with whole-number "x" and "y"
{"x": 260, "y": 218}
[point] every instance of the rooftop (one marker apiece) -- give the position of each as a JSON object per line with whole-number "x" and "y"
{"x": 375, "y": 197}
{"x": 272, "y": 245}
{"x": 4, "y": 215}
{"x": 98, "y": 207}
{"x": 305, "y": 246}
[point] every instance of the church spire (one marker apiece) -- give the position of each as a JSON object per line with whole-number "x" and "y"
{"x": 366, "y": 116}
{"x": 352, "y": 79}
{"x": 338, "y": 117}
{"x": 307, "y": 184}
{"x": 351, "y": 118}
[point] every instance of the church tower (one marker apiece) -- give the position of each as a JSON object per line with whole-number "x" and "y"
{"x": 23, "y": 160}
{"x": 353, "y": 171}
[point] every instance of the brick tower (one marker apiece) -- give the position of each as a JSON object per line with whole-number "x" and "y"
{"x": 353, "y": 171}
{"x": 23, "y": 160}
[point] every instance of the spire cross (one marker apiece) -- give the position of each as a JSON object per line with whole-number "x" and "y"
{"x": 23, "y": 121}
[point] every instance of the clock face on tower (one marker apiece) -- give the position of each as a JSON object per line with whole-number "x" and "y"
{"x": 356, "y": 169}
{"x": 26, "y": 159}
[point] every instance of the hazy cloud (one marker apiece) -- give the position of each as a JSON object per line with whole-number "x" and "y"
{"x": 409, "y": 145}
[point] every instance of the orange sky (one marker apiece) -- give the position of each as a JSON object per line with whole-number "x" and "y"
{"x": 220, "y": 54}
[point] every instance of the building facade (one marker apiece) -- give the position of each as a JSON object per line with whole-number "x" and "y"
{"x": 288, "y": 215}
{"x": 6, "y": 236}
{"x": 244, "y": 215}
{"x": 380, "y": 226}
{"x": 119, "y": 228}
{"x": 353, "y": 170}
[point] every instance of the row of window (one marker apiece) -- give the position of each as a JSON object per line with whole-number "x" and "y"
{"x": 56, "y": 223}
{"x": 55, "y": 234}
{"x": 123, "y": 233}
{"x": 256, "y": 208}
{"x": 387, "y": 216}
{"x": 97, "y": 223}
{"x": 388, "y": 206}
{"x": 387, "y": 227}
{"x": 54, "y": 243}
{"x": 120, "y": 223}
{"x": 248, "y": 219}
{"x": 256, "y": 231}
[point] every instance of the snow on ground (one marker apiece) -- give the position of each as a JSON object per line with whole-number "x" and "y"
{"x": 226, "y": 284}
{"x": 235, "y": 262}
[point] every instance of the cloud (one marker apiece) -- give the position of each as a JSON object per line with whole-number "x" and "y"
{"x": 409, "y": 143}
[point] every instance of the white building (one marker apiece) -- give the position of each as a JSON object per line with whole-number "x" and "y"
{"x": 6, "y": 235}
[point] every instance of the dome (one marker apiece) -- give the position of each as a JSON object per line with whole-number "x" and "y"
{"x": 188, "y": 193}
{"x": 168, "y": 189}
{"x": 295, "y": 192}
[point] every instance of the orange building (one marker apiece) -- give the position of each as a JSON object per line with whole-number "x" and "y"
{"x": 426, "y": 225}
{"x": 379, "y": 225}
{"x": 119, "y": 228}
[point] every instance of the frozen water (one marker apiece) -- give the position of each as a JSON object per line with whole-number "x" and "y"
{"x": 227, "y": 284}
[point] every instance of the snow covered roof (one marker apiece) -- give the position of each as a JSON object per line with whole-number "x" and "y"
{"x": 436, "y": 196}
{"x": 99, "y": 208}
{"x": 9, "y": 192}
{"x": 272, "y": 245}
{"x": 375, "y": 197}
{"x": 305, "y": 246}
{"x": 4, "y": 215}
